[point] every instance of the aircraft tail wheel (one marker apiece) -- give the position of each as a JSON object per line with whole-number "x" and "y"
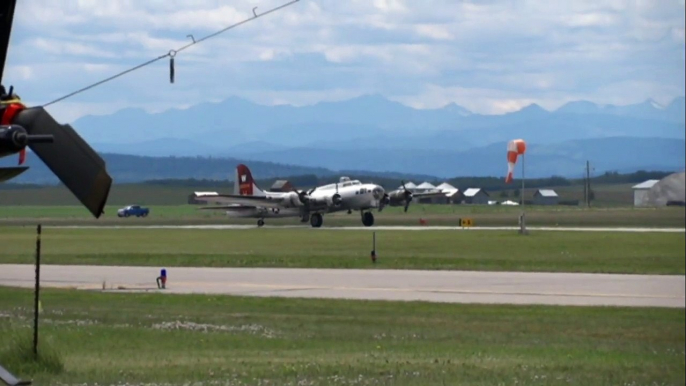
{"x": 260, "y": 223}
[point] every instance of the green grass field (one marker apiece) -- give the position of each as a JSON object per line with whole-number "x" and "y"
{"x": 606, "y": 195}
{"x": 661, "y": 253}
{"x": 56, "y": 205}
{"x": 433, "y": 214}
{"x": 160, "y": 339}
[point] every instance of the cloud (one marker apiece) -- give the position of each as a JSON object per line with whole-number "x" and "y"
{"x": 439, "y": 32}
{"x": 390, "y": 5}
{"x": 491, "y": 56}
{"x": 590, "y": 20}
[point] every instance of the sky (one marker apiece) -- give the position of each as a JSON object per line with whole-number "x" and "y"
{"x": 489, "y": 56}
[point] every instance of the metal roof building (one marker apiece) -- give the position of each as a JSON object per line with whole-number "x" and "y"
{"x": 476, "y": 196}
{"x": 425, "y": 186}
{"x": 409, "y": 185}
{"x": 282, "y": 186}
{"x": 641, "y": 192}
{"x": 670, "y": 190}
{"x": 446, "y": 187}
{"x": 546, "y": 197}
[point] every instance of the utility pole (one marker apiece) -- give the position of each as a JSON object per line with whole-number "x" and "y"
{"x": 36, "y": 304}
{"x": 588, "y": 184}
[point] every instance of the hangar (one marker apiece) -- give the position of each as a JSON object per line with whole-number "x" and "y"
{"x": 452, "y": 194}
{"x": 670, "y": 190}
{"x": 641, "y": 192}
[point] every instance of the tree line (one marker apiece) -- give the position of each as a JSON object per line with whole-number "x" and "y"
{"x": 487, "y": 183}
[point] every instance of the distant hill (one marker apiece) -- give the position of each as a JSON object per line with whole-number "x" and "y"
{"x": 566, "y": 159}
{"x": 128, "y": 168}
{"x": 371, "y": 135}
{"x": 236, "y": 126}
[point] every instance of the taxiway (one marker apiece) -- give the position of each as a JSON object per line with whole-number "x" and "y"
{"x": 377, "y": 228}
{"x": 406, "y": 285}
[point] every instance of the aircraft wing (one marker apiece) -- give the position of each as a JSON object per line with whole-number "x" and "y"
{"x": 11, "y": 172}
{"x": 267, "y": 202}
{"x": 428, "y": 194}
{"x": 227, "y": 207}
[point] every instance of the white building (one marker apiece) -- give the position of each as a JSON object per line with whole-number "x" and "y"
{"x": 451, "y": 193}
{"x": 409, "y": 186}
{"x": 641, "y": 192}
{"x": 424, "y": 187}
{"x": 447, "y": 188}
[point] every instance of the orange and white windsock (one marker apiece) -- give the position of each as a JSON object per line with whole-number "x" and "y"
{"x": 514, "y": 149}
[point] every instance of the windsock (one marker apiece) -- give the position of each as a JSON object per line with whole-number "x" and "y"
{"x": 514, "y": 149}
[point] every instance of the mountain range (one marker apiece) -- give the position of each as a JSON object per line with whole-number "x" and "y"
{"x": 367, "y": 122}
{"x": 131, "y": 168}
{"x": 372, "y": 134}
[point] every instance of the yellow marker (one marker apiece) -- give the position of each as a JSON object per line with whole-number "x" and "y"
{"x": 466, "y": 222}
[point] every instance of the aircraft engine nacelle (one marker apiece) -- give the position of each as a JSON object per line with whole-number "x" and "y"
{"x": 293, "y": 200}
{"x": 396, "y": 198}
{"x": 335, "y": 200}
{"x": 318, "y": 203}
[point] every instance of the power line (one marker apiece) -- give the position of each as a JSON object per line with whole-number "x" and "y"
{"x": 173, "y": 53}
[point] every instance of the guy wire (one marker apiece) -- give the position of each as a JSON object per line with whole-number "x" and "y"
{"x": 171, "y": 53}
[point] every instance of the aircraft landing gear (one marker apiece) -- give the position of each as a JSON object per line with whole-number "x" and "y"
{"x": 260, "y": 223}
{"x": 367, "y": 219}
{"x": 316, "y": 220}
{"x": 305, "y": 218}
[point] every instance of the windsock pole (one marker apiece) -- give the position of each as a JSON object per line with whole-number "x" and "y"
{"x": 522, "y": 222}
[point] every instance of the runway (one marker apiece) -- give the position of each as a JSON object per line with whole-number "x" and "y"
{"x": 376, "y": 228}
{"x": 404, "y": 285}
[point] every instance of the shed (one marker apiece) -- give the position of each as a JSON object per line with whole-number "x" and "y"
{"x": 475, "y": 196}
{"x": 546, "y": 197}
{"x": 641, "y": 192}
{"x": 282, "y": 186}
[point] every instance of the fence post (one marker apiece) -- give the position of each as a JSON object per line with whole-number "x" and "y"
{"x": 36, "y": 294}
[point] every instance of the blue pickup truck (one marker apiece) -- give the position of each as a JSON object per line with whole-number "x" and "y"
{"x": 133, "y": 210}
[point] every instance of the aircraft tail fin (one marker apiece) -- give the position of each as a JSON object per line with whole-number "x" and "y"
{"x": 244, "y": 184}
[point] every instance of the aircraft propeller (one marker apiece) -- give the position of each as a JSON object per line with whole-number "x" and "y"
{"x": 304, "y": 196}
{"x": 408, "y": 196}
{"x": 336, "y": 199}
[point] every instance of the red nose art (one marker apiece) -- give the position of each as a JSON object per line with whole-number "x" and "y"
{"x": 245, "y": 181}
